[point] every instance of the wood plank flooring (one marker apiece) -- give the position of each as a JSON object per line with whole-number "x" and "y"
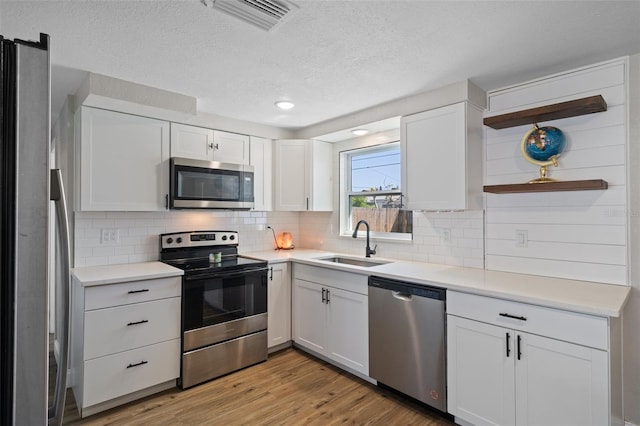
{"x": 290, "y": 388}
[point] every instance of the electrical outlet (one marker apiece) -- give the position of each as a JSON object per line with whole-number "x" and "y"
{"x": 110, "y": 236}
{"x": 522, "y": 238}
{"x": 445, "y": 236}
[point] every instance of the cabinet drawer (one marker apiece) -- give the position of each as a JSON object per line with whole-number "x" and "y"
{"x": 121, "y": 328}
{"x": 587, "y": 330}
{"x": 110, "y": 376}
{"x": 333, "y": 278}
{"x": 105, "y": 296}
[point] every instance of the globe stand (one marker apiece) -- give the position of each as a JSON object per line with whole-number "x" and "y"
{"x": 543, "y": 173}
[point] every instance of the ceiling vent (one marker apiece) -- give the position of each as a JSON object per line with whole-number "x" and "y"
{"x": 264, "y": 14}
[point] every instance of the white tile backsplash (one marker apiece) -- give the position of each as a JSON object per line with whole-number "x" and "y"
{"x": 465, "y": 247}
{"x": 139, "y": 232}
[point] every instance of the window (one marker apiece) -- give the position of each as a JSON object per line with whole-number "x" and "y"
{"x": 372, "y": 192}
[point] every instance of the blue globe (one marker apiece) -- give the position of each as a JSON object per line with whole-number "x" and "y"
{"x": 542, "y": 143}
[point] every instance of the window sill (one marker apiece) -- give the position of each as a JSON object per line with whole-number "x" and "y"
{"x": 408, "y": 239}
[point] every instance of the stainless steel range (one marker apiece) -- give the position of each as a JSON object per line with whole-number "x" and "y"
{"x": 224, "y": 304}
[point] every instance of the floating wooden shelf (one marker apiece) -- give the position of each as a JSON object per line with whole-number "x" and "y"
{"x": 573, "y": 108}
{"x": 572, "y": 185}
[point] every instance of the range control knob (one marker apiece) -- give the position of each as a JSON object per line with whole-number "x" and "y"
{"x": 179, "y": 240}
{"x": 169, "y": 240}
{"x": 224, "y": 238}
{"x": 232, "y": 237}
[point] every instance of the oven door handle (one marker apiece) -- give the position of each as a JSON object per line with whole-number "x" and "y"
{"x": 223, "y": 276}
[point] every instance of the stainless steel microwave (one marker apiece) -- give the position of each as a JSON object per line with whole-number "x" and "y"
{"x": 197, "y": 184}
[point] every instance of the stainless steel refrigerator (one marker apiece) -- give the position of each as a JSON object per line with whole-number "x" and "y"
{"x": 26, "y": 187}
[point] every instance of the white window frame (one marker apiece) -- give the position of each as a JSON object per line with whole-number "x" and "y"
{"x": 346, "y": 193}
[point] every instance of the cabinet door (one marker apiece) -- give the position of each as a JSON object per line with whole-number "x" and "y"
{"x": 191, "y": 142}
{"x": 309, "y": 319}
{"x": 481, "y": 386}
{"x": 123, "y": 162}
{"x": 292, "y": 175}
{"x": 560, "y": 383}
{"x": 348, "y": 328}
{"x": 230, "y": 147}
{"x": 279, "y": 305}
{"x": 321, "y": 195}
{"x": 434, "y": 159}
{"x": 261, "y": 158}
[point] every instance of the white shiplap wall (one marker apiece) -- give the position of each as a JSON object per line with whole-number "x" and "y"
{"x": 578, "y": 235}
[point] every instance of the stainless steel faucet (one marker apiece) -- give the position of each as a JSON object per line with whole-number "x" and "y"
{"x": 368, "y": 250}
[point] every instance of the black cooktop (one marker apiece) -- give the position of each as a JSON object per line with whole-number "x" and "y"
{"x": 228, "y": 263}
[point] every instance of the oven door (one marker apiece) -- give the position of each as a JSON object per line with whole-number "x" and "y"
{"x": 223, "y": 306}
{"x": 210, "y": 184}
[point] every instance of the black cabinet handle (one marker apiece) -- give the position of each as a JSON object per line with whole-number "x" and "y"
{"x": 138, "y": 291}
{"x": 328, "y": 299}
{"x": 166, "y": 201}
{"x": 271, "y": 273}
{"x": 508, "y": 344}
{"x": 519, "y": 352}
{"x": 137, "y": 322}
{"x": 323, "y": 297}
{"x": 137, "y": 364}
{"x": 521, "y": 318}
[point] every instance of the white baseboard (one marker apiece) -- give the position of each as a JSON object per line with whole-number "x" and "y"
{"x": 629, "y": 424}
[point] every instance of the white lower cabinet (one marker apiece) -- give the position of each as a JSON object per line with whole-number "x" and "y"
{"x": 279, "y": 305}
{"x": 501, "y": 371}
{"x": 331, "y": 315}
{"x": 110, "y": 377}
{"x": 125, "y": 341}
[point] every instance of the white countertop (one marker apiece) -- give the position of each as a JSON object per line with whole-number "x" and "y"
{"x": 578, "y": 296}
{"x": 109, "y": 274}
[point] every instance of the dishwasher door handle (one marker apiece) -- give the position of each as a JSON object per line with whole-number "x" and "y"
{"x": 401, "y": 296}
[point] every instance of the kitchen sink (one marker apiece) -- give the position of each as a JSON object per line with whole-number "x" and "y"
{"x": 355, "y": 261}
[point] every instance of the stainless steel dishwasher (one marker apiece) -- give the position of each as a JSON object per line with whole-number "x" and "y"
{"x": 407, "y": 339}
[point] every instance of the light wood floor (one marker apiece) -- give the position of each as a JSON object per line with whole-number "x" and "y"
{"x": 290, "y": 388}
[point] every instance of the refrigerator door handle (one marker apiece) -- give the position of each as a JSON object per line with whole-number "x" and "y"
{"x": 57, "y": 194}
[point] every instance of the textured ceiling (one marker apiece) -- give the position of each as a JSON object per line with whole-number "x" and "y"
{"x": 331, "y": 57}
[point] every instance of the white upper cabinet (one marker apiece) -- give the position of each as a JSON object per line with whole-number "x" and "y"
{"x": 230, "y": 147}
{"x": 200, "y": 143}
{"x": 442, "y": 158}
{"x": 124, "y": 162}
{"x": 261, "y": 158}
{"x": 191, "y": 142}
{"x": 303, "y": 175}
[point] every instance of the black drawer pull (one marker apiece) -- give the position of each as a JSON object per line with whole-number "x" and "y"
{"x": 519, "y": 351}
{"x": 137, "y": 322}
{"x": 138, "y": 291}
{"x": 508, "y": 349}
{"x": 502, "y": 314}
{"x": 137, "y": 364}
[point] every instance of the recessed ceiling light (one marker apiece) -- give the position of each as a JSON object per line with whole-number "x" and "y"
{"x": 360, "y": 132}
{"x": 285, "y": 105}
